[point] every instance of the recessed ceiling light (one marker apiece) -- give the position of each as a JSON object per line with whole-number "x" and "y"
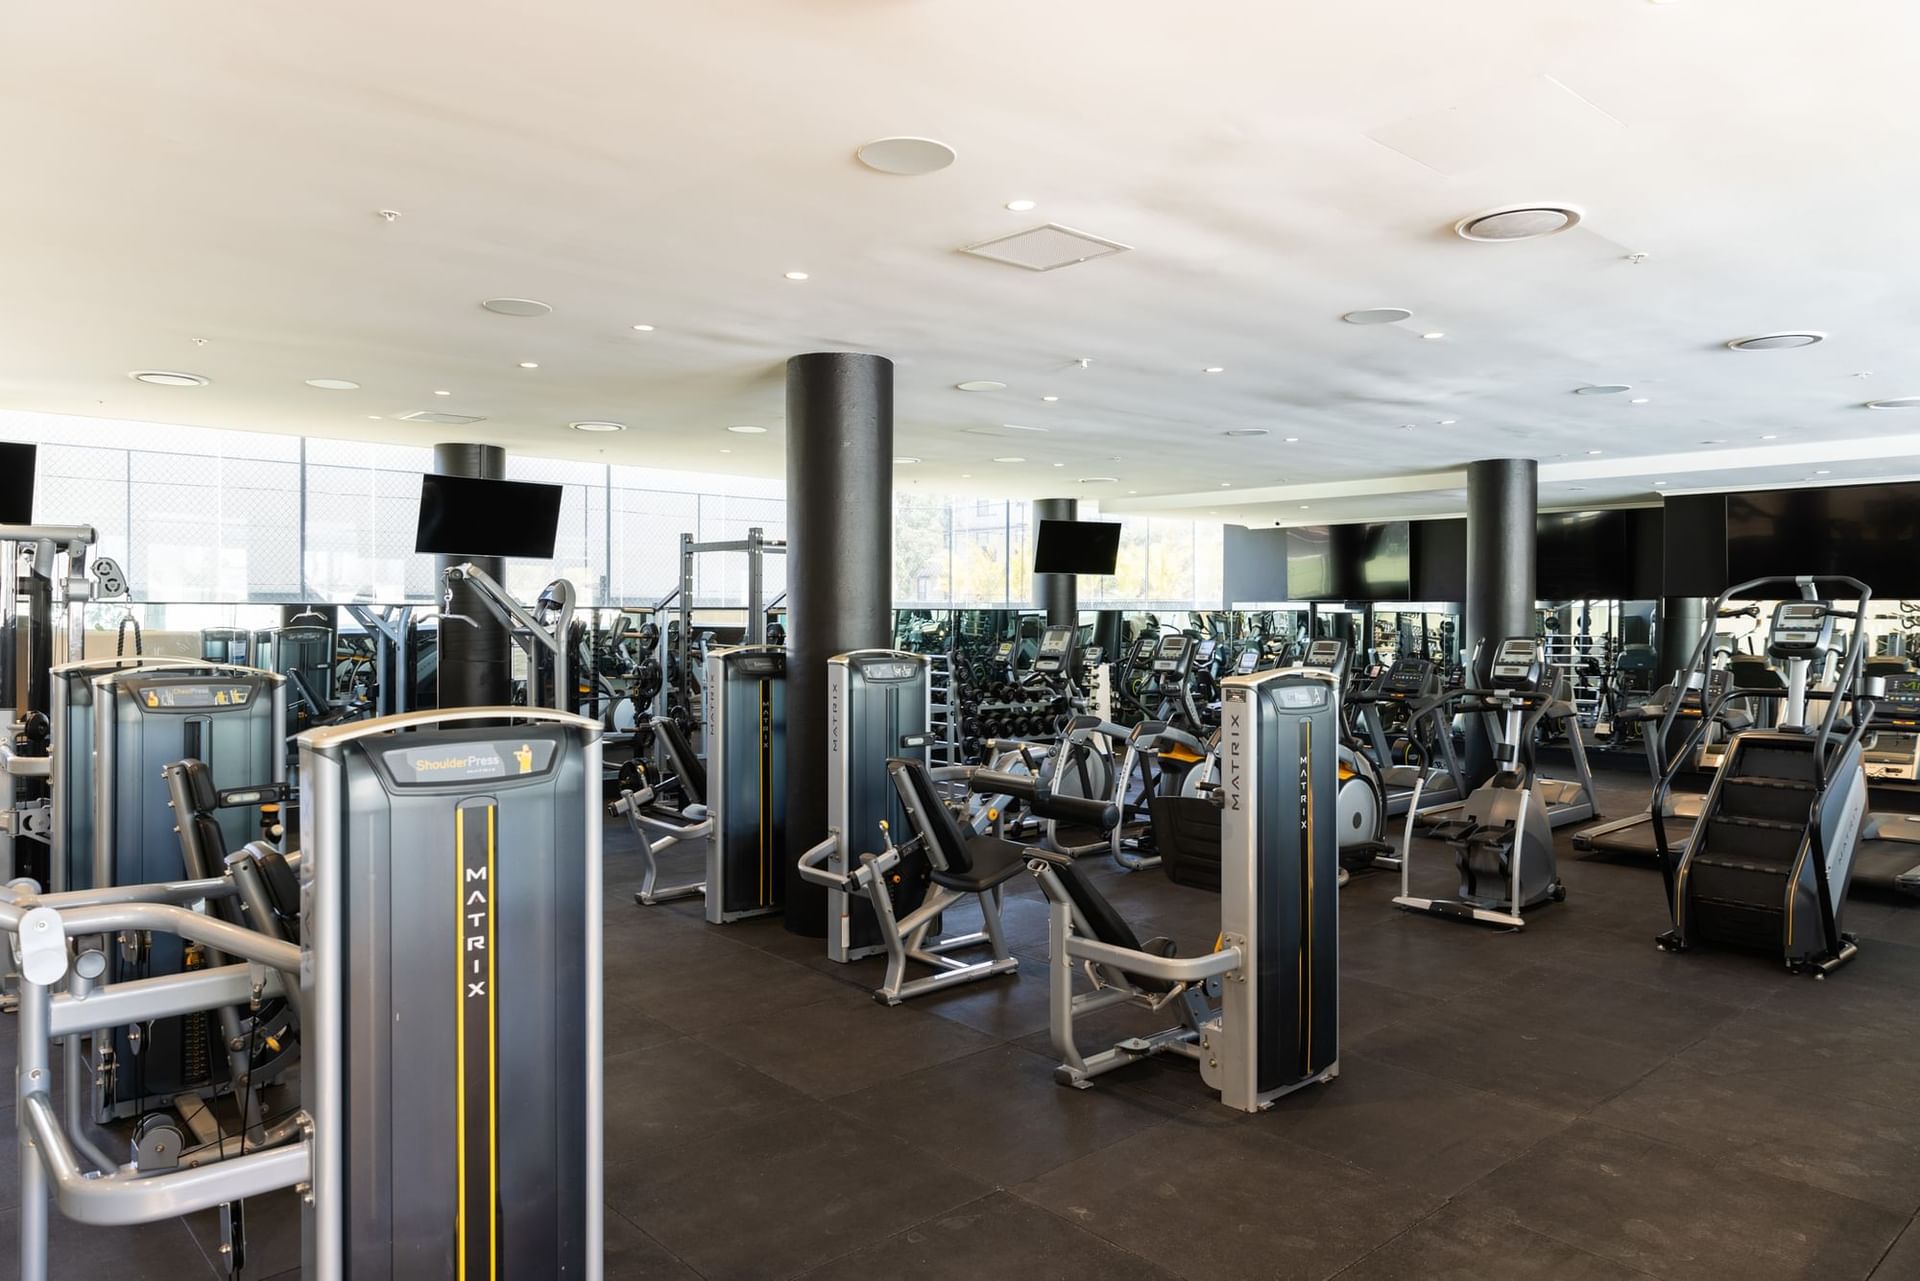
{"x": 1713, "y": 442}
{"x": 1133, "y": 491}
{"x": 905, "y": 157}
{"x": 1009, "y": 459}
{"x": 1782, "y": 341}
{"x": 1018, "y": 427}
{"x": 1293, "y": 440}
{"x": 1898, "y": 402}
{"x": 168, "y": 378}
{"x": 748, "y": 429}
{"x": 443, "y": 393}
{"x": 1658, "y": 483}
{"x": 1519, "y": 222}
{"x": 597, "y": 424}
{"x": 726, "y": 451}
{"x": 1639, "y": 400}
{"x": 1099, "y": 480}
{"x": 333, "y": 384}
{"x": 1824, "y": 471}
{"x": 1448, "y": 422}
{"x": 966, "y": 475}
{"x": 1248, "y": 431}
{"x": 904, "y": 460}
{"x": 1430, "y": 337}
{"x": 1592, "y": 452}
{"x": 645, "y": 329}
{"x": 1602, "y": 389}
{"x": 796, "y": 275}
{"x": 524, "y": 307}
{"x": 981, "y": 384}
{"x": 1770, "y": 436}
{"x": 1378, "y": 316}
{"x": 1049, "y": 399}
{"x": 529, "y": 364}
{"x": 1020, "y": 206}
{"x": 1214, "y": 369}
{"x": 1226, "y": 484}
{"x": 1059, "y": 464}
{"x": 374, "y": 417}
{"x": 1303, "y": 507}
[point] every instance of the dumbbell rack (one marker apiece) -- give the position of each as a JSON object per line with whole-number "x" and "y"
{"x": 944, "y": 715}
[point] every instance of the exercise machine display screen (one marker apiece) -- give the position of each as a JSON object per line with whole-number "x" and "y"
{"x": 1324, "y": 655}
{"x": 1902, "y": 699}
{"x": 1407, "y": 678}
{"x": 1203, "y": 652}
{"x": 1516, "y": 664}
{"x": 1801, "y": 628}
{"x": 1056, "y": 644}
{"x": 1143, "y": 650}
{"x": 1173, "y": 654}
{"x": 1248, "y": 664}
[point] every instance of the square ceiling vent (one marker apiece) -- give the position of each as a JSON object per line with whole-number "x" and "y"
{"x": 445, "y": 420}
{"x": 1046, "y": 248}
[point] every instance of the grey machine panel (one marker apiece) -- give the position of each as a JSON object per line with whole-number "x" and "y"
{"x": 1279, "y": 878}
{"x": 746, "y": 743}
{"x": 143, "y": 720}
{"x": 451, "y": 893}
{"x": 878, "y": 706}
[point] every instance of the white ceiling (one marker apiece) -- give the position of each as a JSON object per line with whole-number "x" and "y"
{"x": 199, "y": 171}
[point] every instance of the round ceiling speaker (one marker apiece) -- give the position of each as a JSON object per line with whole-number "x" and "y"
{"x": 1518, "y": 222}
{"x": 1780, "y": 341}
{"x": 516, "y": 307}
{"x": 1898, "y": 402}
{"x": 1249, "y": 431}
{"x": 597, "y": 424}
{"x": 906, "y": 157}
{"x": 168, "y": 378}
{"x": 1378, "y": 316}
{"x": 981, "y": 384}
{"x": 333, "y": 384}
{"x": 1602, "y": 389}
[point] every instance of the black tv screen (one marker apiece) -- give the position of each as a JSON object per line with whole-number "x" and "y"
{"x": 16, "y": 482}
{"x": 462, "y": 516}
{"x": 1861, "y": 531}
{"x": 1385, "y": 563}
{"x": 1312, "y": 564}
{"x": 1076, "y": 547}
{"x": 1583, "y": 556}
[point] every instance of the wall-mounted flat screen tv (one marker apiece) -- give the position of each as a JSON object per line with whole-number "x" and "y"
{"x": 464, "y": 516}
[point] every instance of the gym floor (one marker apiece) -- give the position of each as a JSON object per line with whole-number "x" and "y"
{"x": 1567, "y": 1103}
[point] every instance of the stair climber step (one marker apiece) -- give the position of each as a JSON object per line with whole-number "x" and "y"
{"x": 1753, "y": 842}
{"x": 1760, "y": 780}
{"x": 1763, "y": 802}
{"x": 1783, "y": 760}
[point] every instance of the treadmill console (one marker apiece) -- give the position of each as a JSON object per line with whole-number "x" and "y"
{"x": 1802, "y": 629}
{"x": 1516, "y": 664}
{"x": 1174, "y": 657}
{"x": 1893, "y": 752}
{"x": 1407, "y": 679}
{"x": 1056, "y": 650}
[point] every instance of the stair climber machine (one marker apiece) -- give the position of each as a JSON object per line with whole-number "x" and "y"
{"x": 1501, "y": 836}
{"x": 735, "y": 800}
{"x": 1773, "y": 850}
{"x": 1427, "y": 760}
{"x": 437, "y": 936}
{"x": 1666, "y": 721}
{"x": 1259, "y": 1013}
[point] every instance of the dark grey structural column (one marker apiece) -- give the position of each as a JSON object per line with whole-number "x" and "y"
{"x": 1681, "y": 618}
{"x": 476, "y": 665}
{"x": 1502, "y": 504}
{"x": 1058, "y": 594}
{"x": 839, "y": 573}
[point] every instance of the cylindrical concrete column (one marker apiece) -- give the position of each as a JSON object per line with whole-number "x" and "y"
{"x": 839, "y": 573}
{"x": 1681, "y": 618}
{"x": 476, "y": 662}
{"x": 1109, "y": 628}
{"x": 1057, "y": 594}
{"x": 1502, "y": 504}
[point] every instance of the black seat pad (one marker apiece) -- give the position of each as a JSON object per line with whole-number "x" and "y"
{"x": 1108, "y": 926}
{"x": 992, "y": 862}
{"x": 1186, "y": 831}
{"x": 691, "y": 770}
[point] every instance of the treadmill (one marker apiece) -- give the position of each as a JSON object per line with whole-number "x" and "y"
{"x": 1888, "y": 856}
{"x": 1665, "y": 727}
{"x": 1415, "y": 684}
{"x": 1567, "y": 800}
